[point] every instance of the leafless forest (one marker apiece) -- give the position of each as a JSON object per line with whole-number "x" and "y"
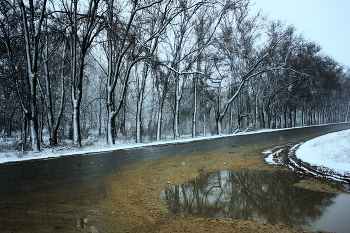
{"x": 153, "y": 70}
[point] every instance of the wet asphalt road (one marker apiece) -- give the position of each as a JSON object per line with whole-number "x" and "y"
{"x": 29, "y": 177}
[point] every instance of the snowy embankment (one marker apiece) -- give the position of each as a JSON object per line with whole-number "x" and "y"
{"x": 94, "y": 146}
{"x": 326, "y": 156}
{"x": 331, "y": 151}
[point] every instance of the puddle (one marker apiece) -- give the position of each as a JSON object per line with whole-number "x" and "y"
{"x": 261, "y": 195}
{"x": 83, "y": 223}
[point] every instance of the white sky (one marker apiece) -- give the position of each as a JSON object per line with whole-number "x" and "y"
{"x": 326, "y": 22}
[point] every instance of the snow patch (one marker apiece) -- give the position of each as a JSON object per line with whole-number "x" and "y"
{"x": 331, "y": 151}
{"x": 273, "y": 157}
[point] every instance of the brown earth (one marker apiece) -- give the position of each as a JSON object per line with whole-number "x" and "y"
{"x": 134, "y": 204}
{"x": 128, "y": 201}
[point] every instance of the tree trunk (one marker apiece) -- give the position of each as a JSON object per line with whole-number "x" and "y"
{"x": 24, "y": 129}
{"x": 48, "y": 98}
{"x": 219, "y": 124}
{"x": 79, "y": 50}
{"x": 302, "y": 116}
{"x": 32, "y": 41}
{"x": 76, "y": 123}
{"x": 159, "y": 123}
{"x": 61, "y": 107}
{"x": 52, "y": 125}
{"x": 194, "y": 116}
{"x": 161, "y": 100}
{"x": 177, "y": 107}
{"x": 140, "y": 92}
{"x": 33, "y": 116}
{"x": 204, "y": 126}
{"x": 111, "y": 130}
{"x": 219, "y": 116}
{"x": 138, "y": 120}
{"x": 34, "y": 138}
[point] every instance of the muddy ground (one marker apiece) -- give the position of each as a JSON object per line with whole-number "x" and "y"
{"x": 128, "y": 201}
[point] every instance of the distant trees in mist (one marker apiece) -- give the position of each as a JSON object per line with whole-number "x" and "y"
{"x": 152, "y": 70}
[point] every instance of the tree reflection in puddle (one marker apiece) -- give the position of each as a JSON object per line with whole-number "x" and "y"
{"x": 82, "y": 223}
{"x": 247, "y": 193}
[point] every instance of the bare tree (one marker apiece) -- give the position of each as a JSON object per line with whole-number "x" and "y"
{"x": 83, "y": 29}
{"x": 32, "y": 40}
{"x": 120, "y": 51}
{"x": 166, "y": 67}
{"x": 180, "y": 49}
{"x": 13, "y": 71}
{"x": 151, "y": 25}
{"x": 206, "y": 23}
{"x": 126, "y": 48}
{"x": 54, "y": 62}
{"x": 244, "y": 59}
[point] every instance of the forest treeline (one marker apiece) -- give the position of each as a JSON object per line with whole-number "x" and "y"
{"x": 150, "y": 70}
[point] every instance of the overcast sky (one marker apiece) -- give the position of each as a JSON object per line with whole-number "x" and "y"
{"x": 326, "y": 22}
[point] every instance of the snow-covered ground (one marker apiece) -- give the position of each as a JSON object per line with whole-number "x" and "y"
{"x": 331, "y": 151}
{"x": 93, "y": 146}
